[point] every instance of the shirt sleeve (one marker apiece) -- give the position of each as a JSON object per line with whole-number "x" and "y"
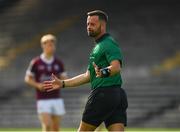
{"x": 31, "y": 70}
{"x": 88, "y": 67}
{"x": 113, "y": 52}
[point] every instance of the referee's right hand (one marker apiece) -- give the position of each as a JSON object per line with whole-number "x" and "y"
{"x": 54, "y": 84}
{"x": 97, "y": 70}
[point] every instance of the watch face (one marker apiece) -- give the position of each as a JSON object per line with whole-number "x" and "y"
{"x": 109, "y": 70}
{"x": 104, "y": 72}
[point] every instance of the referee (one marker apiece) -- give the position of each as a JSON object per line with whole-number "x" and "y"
{"x": 107, "y": 101}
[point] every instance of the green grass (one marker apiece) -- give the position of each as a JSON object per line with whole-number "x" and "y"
{"x": 31, "y": 129}
{"x": 75, "y": 129}
{"x": 154, "y": 129}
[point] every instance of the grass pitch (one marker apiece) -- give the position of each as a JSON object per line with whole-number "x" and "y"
{"x": 75, "y": 129}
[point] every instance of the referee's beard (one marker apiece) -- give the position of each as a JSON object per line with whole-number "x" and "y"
{"x": 94, "y": 33}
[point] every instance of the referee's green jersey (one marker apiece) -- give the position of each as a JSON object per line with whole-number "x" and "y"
{"x": 105, "y": 51}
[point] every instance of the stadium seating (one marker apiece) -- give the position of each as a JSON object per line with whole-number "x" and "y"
{"x": 148, "y": 33}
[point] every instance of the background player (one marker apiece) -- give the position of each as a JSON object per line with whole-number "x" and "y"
{"x": 108, "y": 101}
{"x": 50, "y": 105}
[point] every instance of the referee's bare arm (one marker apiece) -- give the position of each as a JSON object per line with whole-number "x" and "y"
{"x": 72, "y": 82}
{"x": 78, "y": 80}
{"x": 115, "y": 67}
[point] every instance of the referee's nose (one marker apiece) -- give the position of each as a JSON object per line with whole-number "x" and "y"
{"x": 89, "y": 28}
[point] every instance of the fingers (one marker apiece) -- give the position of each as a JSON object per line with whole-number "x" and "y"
{"x": 97, "y": 70}
{"x": 54, "y": 77}
{"x": 47, "y": 85}
{"x": 95, "y": 66}
{"x": 49, "y": 90}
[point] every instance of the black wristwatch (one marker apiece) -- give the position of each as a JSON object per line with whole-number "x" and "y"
{"x": 63, "y": 86}
{"x": 105, "y": 72}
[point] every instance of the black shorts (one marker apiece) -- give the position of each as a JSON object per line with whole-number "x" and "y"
{"x": 106, "y": 104}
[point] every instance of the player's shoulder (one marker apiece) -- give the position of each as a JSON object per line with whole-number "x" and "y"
{"x": 35, "y": 60}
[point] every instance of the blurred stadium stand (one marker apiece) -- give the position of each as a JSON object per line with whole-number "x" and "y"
{"x": 148, "y": 32}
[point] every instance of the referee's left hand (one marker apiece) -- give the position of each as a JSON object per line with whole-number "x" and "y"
{"x": 97, "y": 70}
{"x": 53, "y": 84}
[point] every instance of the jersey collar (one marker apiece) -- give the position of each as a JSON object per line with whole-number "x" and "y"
{"x": 47, "y": 61}
{"x": 102, "y": 37}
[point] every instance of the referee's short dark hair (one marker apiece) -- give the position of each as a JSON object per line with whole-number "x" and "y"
{"x": 101, "y": 14}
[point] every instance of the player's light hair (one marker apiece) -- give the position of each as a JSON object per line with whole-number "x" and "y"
{"x": 101, "y": 14}
{"x": 48, "y": 37}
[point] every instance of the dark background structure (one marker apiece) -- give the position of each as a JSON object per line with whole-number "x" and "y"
{"x": 147, "y": 31}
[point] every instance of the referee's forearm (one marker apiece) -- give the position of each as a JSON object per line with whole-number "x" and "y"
{"x": 113, "y": 71}
{"x": 115, "y": 68}
{"x": 77, "y": 80}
